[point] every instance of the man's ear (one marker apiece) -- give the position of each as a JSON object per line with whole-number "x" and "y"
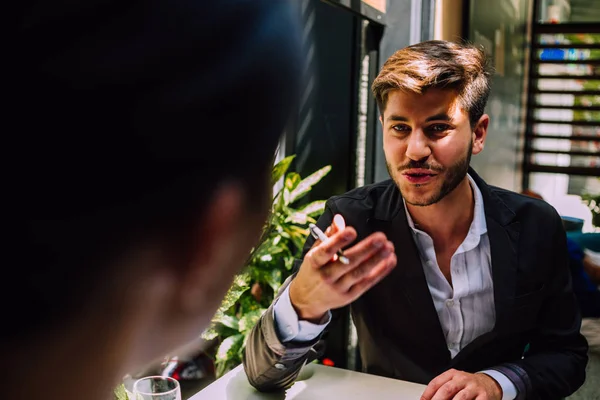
{"x": 480, "y": 133}
{"x": 209, "y": 270}
{"x": 381, "y": 119}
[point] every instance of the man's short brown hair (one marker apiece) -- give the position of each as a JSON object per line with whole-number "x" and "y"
{"x": 441, "y": 65}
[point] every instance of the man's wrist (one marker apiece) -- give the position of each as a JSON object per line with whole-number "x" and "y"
{"x": 499, "y": 393}
{"x": 310, "y": 315}
{"x": 289, "y": 327}
{"x": 508, "y": 388}
{"x": 304, "y": 311}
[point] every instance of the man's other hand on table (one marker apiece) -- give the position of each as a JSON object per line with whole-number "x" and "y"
{"x": 459, "y": 385}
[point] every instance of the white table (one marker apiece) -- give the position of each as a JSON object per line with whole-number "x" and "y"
{"x": 315, "y": 382}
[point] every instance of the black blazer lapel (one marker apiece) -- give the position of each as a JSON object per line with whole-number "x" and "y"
{"x": 503, "y": 241}
{"x": 503, "y": 233}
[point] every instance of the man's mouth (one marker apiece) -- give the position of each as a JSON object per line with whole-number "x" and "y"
{"x": 418, "y": 175}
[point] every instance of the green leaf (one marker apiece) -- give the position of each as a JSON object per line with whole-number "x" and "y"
{"x": 227, "y": 320}
{"x": 241, "y": 283}
{"x": 298, "y": 236}
{"x": 307, "y": 183}
{"x": 267, "y": 253}
{"x": 289, "y": 263}
{"x": 297, "y": 230}
{"x": 120, "y": 393}
{"x": 250, "y": 319}
{"x": 241, "y": 280}
{"x": 266, "y": 257}
{"x": 247, "y": 304}
{"x": 229, "y": 347}
{"x": 286, "y": 198}
{"x": 226, "y": 366}
{"x": 240, "y": 354}
{"x": 210, "y": 334}
{"x": 284, "y": 234}
{"x": 281, "y": 168}
{"x": 292, "y": 180}
{"x": 221, "y": 368}
{"x": 314, "y": 209}
{"x": 282, "y": 248}
{"x": 274, "y": 279}
{"x": 279, "y": 203}
{"x": 298, "y": 217}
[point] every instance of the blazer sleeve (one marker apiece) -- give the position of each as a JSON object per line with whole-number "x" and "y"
{"x": 554, "y": 365}
{"x": 270, "y": 364}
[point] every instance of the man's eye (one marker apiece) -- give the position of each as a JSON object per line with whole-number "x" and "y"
{"x": 401, "y": 128}
{"x": 437, "y": 128}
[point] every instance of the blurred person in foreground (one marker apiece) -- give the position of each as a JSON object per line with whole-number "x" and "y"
{"x": 451, "y": 283}
{"x": 139, "y": 139}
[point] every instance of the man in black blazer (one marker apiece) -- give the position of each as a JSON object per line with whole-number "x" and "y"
{"x": 451, "y": 282}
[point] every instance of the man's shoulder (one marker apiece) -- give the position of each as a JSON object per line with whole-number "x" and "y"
{"x": 366, "y": 197}
{"x": 525, "y": 206}
{"x": 373, "y": 190}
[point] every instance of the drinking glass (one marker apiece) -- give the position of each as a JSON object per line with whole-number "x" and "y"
{"x": 156, "y": 388}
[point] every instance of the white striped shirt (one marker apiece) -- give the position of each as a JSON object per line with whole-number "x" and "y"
{"x": 465, "y": 308}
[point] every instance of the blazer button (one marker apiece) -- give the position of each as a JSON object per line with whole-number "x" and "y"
{"x": 279, "y": 366}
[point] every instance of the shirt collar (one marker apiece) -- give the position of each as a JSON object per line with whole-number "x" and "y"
{"x": 478, "y": 225}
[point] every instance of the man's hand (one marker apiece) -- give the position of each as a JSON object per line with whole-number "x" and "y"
{"x": 323, "y": 283}
{"x": 459, "y": 385}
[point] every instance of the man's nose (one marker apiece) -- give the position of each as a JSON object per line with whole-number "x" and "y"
{"x": 418, "y": 146}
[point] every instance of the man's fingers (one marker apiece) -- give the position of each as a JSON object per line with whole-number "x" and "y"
{"x": 465, "y": 394}
{"x": 324, "y": 252}
{"x": 448, "y": 390}
{"x": 437, "y": 383}
{"x": 337, "y": 225}
{"x": 358, "y": 254}
{"x": 363, "y": 250}
{"x": 377, "y": 262}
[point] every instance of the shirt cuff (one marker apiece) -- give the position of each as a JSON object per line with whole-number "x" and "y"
{"x": 509, "y": 390}
{"x": 288, "y": 326}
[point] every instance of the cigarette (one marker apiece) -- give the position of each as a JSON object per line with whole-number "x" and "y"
{"x": 318, "y": 234}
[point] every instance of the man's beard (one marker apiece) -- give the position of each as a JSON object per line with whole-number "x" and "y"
{"x": 454, "y": 176}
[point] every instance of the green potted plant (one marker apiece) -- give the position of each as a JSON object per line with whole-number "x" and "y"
{"x": 268, "y": 266}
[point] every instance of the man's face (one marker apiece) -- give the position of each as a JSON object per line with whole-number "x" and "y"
{"x": 428, "y": 142}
